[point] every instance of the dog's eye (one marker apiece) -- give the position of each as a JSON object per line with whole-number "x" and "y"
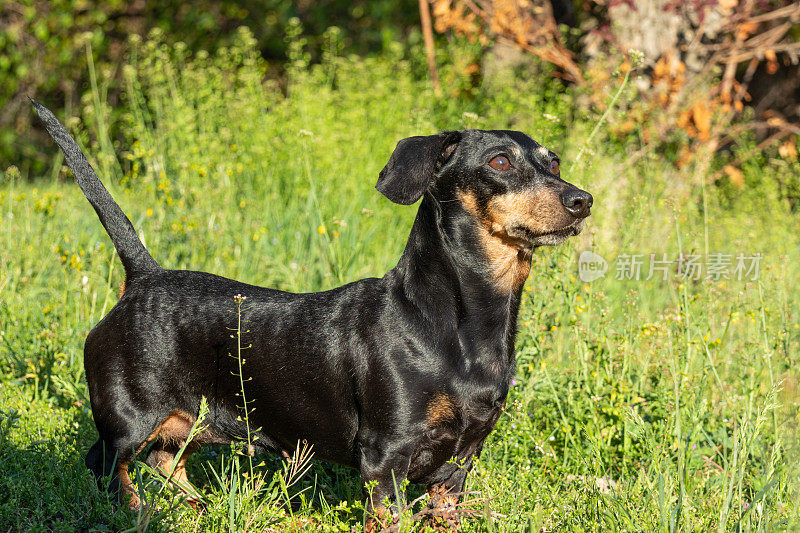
{"x": 554, "y": 166}
{"x": 500, "y": 162}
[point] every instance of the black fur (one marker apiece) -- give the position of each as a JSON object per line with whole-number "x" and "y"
{"x": 135, "y": 257}
{"x": 412, "y": 166}
{"x": 356, "y": 371}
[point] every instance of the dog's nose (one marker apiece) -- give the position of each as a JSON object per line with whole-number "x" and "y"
{"x": 577, "y": 202}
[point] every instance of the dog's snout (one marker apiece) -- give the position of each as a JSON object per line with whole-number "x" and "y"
{"x": 577, "y": 202}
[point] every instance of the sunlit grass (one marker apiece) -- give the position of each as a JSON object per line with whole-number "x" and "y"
{"x": 638, "y": 405}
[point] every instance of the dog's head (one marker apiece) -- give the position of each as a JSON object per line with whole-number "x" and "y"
{"x": 508, "y": 184}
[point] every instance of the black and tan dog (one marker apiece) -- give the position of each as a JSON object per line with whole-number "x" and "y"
{"x": 393, "y": 376}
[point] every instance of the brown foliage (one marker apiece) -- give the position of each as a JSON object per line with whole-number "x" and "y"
{"x": 528, "y": 24}
{"x": 705, "y": 57}
{"x": 691, "y": 44}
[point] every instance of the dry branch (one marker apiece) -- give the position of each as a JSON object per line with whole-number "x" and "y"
{"x": 427, "y": 33}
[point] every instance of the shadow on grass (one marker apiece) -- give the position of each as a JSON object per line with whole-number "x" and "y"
{"x": 44, "y": 484}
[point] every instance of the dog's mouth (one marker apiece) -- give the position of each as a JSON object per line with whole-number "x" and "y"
{"x": 525, "y": 238}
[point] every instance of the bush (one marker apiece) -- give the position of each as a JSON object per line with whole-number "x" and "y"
{"x": 47, "y": 47}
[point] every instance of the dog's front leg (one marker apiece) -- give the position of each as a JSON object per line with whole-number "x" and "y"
{"x": 446, "y": 492}
{"x": 384, "y": 467}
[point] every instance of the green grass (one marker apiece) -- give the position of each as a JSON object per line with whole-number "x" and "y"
{"x": 638, "y": 405}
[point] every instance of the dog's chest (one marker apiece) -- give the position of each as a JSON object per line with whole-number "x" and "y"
{"x": 456, "y": 427}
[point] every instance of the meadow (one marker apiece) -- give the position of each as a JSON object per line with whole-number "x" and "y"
{"x": 649, "y": 400}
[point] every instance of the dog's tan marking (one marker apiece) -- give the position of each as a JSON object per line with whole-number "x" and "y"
{"x": 442, "y": 408}
{"x": 540, "y": 212}
{"x": 445, "y": 506}
{"x": 509, "y": 259}
{"x": 509, "y": 264}
{"x": 439, "y": 492}
{"x": 162, "y": 458}
{"x": 122, "y": 289}
{"x": 174, "y": 429}
{"x": 127, "y": 487}
{"x": 170, "y": 436}
{"x": 382, "y": 519}
{"x": 165, "y": 456}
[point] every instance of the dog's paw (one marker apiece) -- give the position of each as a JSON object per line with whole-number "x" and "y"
{"x": 443, "y": 515}
{"x": 383, "y": 520}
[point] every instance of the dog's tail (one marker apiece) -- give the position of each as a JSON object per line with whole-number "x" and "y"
{"x": 134, "y": 256}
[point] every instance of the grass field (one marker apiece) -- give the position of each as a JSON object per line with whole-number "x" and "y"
{"x": 639, "y": 404}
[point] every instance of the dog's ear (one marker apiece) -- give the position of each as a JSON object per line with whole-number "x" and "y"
{"x": 413, "y": 164}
